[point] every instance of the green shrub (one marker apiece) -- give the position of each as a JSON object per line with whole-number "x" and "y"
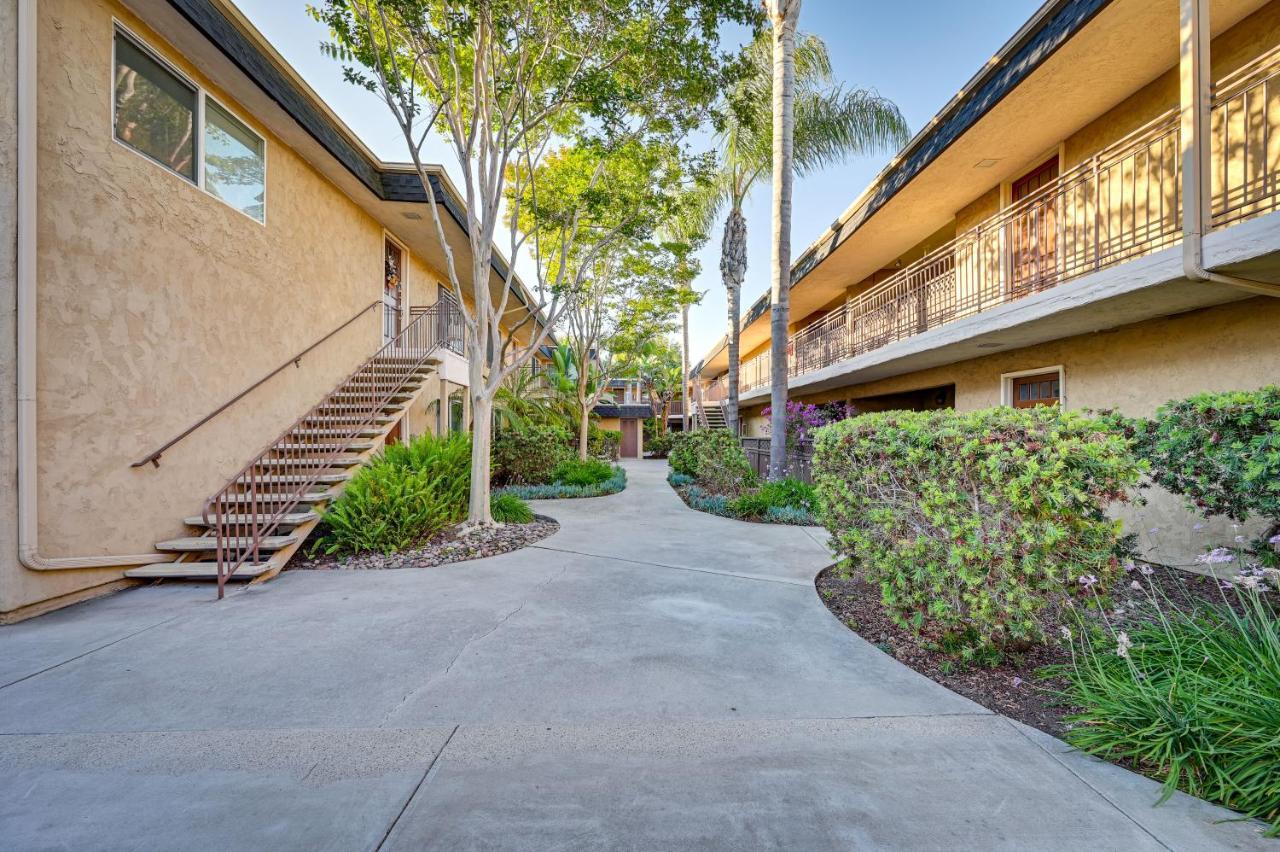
{"x": 972, "y": 524}
{"x": 715, "y": 459}
{"x": 659, "y": 445}
{"x": 790, "y": 515}
{"x": 603, "y": 443}
{"x": 679, "y": 480}
{"x": 529, "y": 455}
{"x": 1221, "y": 451}
{"x": 1193, "y": 699}
{"x": 578, "y": 472}
{"x": 791, "y": 494}
{"x": 509, "y": 509}
{"x": 705, "y": 501}
{"x": 407, "y": 493}
{"x": 612, "y": 485}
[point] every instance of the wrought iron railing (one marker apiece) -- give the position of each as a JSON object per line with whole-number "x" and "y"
{"x": 254, "y": 503}
{"x": 1120, "y": 204}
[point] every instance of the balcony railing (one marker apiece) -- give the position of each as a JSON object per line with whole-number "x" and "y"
{"x": 1120, "y": 204}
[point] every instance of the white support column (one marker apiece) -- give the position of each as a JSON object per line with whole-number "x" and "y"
{"x": 1193, "y": 68}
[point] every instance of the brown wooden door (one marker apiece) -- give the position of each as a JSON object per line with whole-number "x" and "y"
{"x": 630, "y": 439}
{"x": 1040, "y": 389}
{"x": 1034, "y": 231}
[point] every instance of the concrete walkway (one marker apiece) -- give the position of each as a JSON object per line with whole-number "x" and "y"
{"x": 649, "y": 677}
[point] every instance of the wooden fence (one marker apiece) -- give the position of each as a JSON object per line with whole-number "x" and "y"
{"x": 799, "y": 458}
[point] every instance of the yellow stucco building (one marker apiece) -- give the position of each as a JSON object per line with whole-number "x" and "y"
{"x": 187, "y": 222}
{"x": 1029, "y": 245}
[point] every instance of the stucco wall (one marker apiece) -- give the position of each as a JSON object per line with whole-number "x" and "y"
{"x": 157, "y": 302}
{"x": 8, "y": 292}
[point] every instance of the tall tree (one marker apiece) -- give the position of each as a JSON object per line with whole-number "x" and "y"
{"x": 783, "y": 17}
{"x": 506, "y": 82}
{"x": 831, "y": 124}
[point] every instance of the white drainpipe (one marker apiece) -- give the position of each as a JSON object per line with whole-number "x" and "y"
{"x": 28, "y": 493}
{"x": 1193, "y": 68}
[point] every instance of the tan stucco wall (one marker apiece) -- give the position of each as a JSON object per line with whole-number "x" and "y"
{"x": 157, "y": 302}
{"x": 8, "y": 292}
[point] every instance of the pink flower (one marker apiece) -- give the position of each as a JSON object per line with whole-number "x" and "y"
{"x": 1136, "y": 586}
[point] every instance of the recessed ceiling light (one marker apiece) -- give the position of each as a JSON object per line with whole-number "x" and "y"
{"x": 985, "y": 164}
{"x": 411, "y": 215}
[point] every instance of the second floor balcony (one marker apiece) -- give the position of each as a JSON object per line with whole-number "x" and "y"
{"x": 1118, "y": 205}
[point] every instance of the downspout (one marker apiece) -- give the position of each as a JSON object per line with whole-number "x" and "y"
{"x": 28, "y": 493}
{"x": 1193, "y": 66}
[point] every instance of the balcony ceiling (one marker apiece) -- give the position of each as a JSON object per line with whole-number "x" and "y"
{"x": 1126, "y": 46}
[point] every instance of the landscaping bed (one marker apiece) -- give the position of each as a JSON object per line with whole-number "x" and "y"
{"x": 1017, "y": 686}
{"x": 443, "y": 548}
{"x": 754, "y": 509}
{"x": 571, "y": 487}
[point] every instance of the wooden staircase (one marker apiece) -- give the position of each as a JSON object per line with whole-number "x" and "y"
{"x": 252, "y": 527}
{"x": 712, "y": 415}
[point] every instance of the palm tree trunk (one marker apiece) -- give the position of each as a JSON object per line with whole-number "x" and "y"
{"x": 684, "y": 368}
{"x": 733, "y": 268}
{"x": 783, "y": 15}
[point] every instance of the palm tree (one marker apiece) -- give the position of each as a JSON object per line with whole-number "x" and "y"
{"x": 831, "y": 124}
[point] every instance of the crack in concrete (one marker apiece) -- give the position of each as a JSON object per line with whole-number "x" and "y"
{"x": 1058, "y": 760}
{"x": 90, "y": 651}
{"x": 733, "y": 574}
{"x": 426, "y": 776}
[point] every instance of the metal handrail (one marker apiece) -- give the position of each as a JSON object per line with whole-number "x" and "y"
{"x": 154, "y": 457}
{"x": 233, "y": 514}
{"x": 1121, "y": 203}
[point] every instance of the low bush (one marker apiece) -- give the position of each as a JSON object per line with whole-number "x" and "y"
{"x": 528, "y": 456}
{"x": 784, "y": 501}
{"x": 407, "y": 493}
{"x": 603, "y": 443}
{"x": 659, "y": 445}
{"x": 715, "y": 459}
{"x": 612, "y": 485}
{"x": 704, "y": 501}
{"x": 974, "y": 524}
{"x": 790, "y": 515}
{"x": 1221, "y": 451}
{"x": 679, "y": 480}
{"x": 509, "y": 509}
{"x": 1192, "y": 698}
{"x": 579, "y": 472}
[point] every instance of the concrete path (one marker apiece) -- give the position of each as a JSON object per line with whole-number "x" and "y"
{"x": 649, "y": 677}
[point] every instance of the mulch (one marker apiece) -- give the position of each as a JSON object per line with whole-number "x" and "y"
{"x": 451, "y": 545}
{"x": 1015, "y": 687}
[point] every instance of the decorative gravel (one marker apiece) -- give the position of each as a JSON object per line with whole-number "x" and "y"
{"x": 442, "y": 549}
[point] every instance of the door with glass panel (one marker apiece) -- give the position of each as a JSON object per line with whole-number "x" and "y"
{"x": 392, "y": 290}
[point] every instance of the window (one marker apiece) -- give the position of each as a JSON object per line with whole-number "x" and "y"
{"x": 154, "y": 109}
{"x": 456, "y": 412}
{"x": 168, "y": 119}
{"x": 1037, "y": 389}
{"x": 234, "y": 161}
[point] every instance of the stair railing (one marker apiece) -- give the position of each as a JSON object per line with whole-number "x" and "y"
{"x": 254, "y": 502}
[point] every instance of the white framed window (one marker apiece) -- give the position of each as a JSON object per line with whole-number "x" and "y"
{"x": 1029, "y": 388}
{"x": 160, "y": 113}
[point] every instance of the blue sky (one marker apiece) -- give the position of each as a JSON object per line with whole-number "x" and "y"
{"x": 918, "y": 54}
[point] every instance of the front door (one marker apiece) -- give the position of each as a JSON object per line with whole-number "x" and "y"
{"x": 630, "y": 439}
{"x": 1034, "y": 232}
{"x": 392, "y": 290}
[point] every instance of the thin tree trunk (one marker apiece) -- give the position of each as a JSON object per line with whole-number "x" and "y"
{"x": 784, "y": 14}
{"x": 584, "y": 432}
{"x": 733, "y": 269}
{"x": 684, "y": 368}
{"x": 481, "y": 439}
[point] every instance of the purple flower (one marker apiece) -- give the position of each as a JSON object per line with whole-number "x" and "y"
{"x": 1198, "y": 527}
{"x": 1147, "y": 570}
{"x": 1274, "y": 541}
{"x": 1217, "y": 556}
{"x": 1136, "y": 586}
{"x": 1087, "y": 580}
{"x": 1017, "y": 682}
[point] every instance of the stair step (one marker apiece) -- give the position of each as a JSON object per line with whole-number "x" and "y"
{"x": 316, "y": 461}
{"x": 195, "y": 571}
{"x": 356, "y": 446}
{"x": 357, "y": 406}
{"x": 312, "y": 432}
{"x": 195, "y": 544}
{"x": 352, "y": 419}
{"x": 401, "y": 396}
{"x": 310, "y": 497}
{"x": 295, "y": 479}
{"x": 292, "y": 519}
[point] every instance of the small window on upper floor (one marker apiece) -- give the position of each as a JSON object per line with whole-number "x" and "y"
{"x": 234, "y": 161}
{"x": 168, "y": 119}
{"x": 155, "y": 110}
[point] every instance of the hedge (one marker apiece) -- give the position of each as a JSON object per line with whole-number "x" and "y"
{"x": 973, "y": 524}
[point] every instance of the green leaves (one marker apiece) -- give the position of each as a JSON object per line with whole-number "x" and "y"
{"x": 973, "y": 524}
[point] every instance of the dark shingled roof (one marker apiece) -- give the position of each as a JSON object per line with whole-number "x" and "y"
{"x": 623, "y": 411}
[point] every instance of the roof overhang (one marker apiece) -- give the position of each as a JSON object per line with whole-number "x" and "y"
{"x": 1072, "y": 62}
{"x": 216, "y": 37}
